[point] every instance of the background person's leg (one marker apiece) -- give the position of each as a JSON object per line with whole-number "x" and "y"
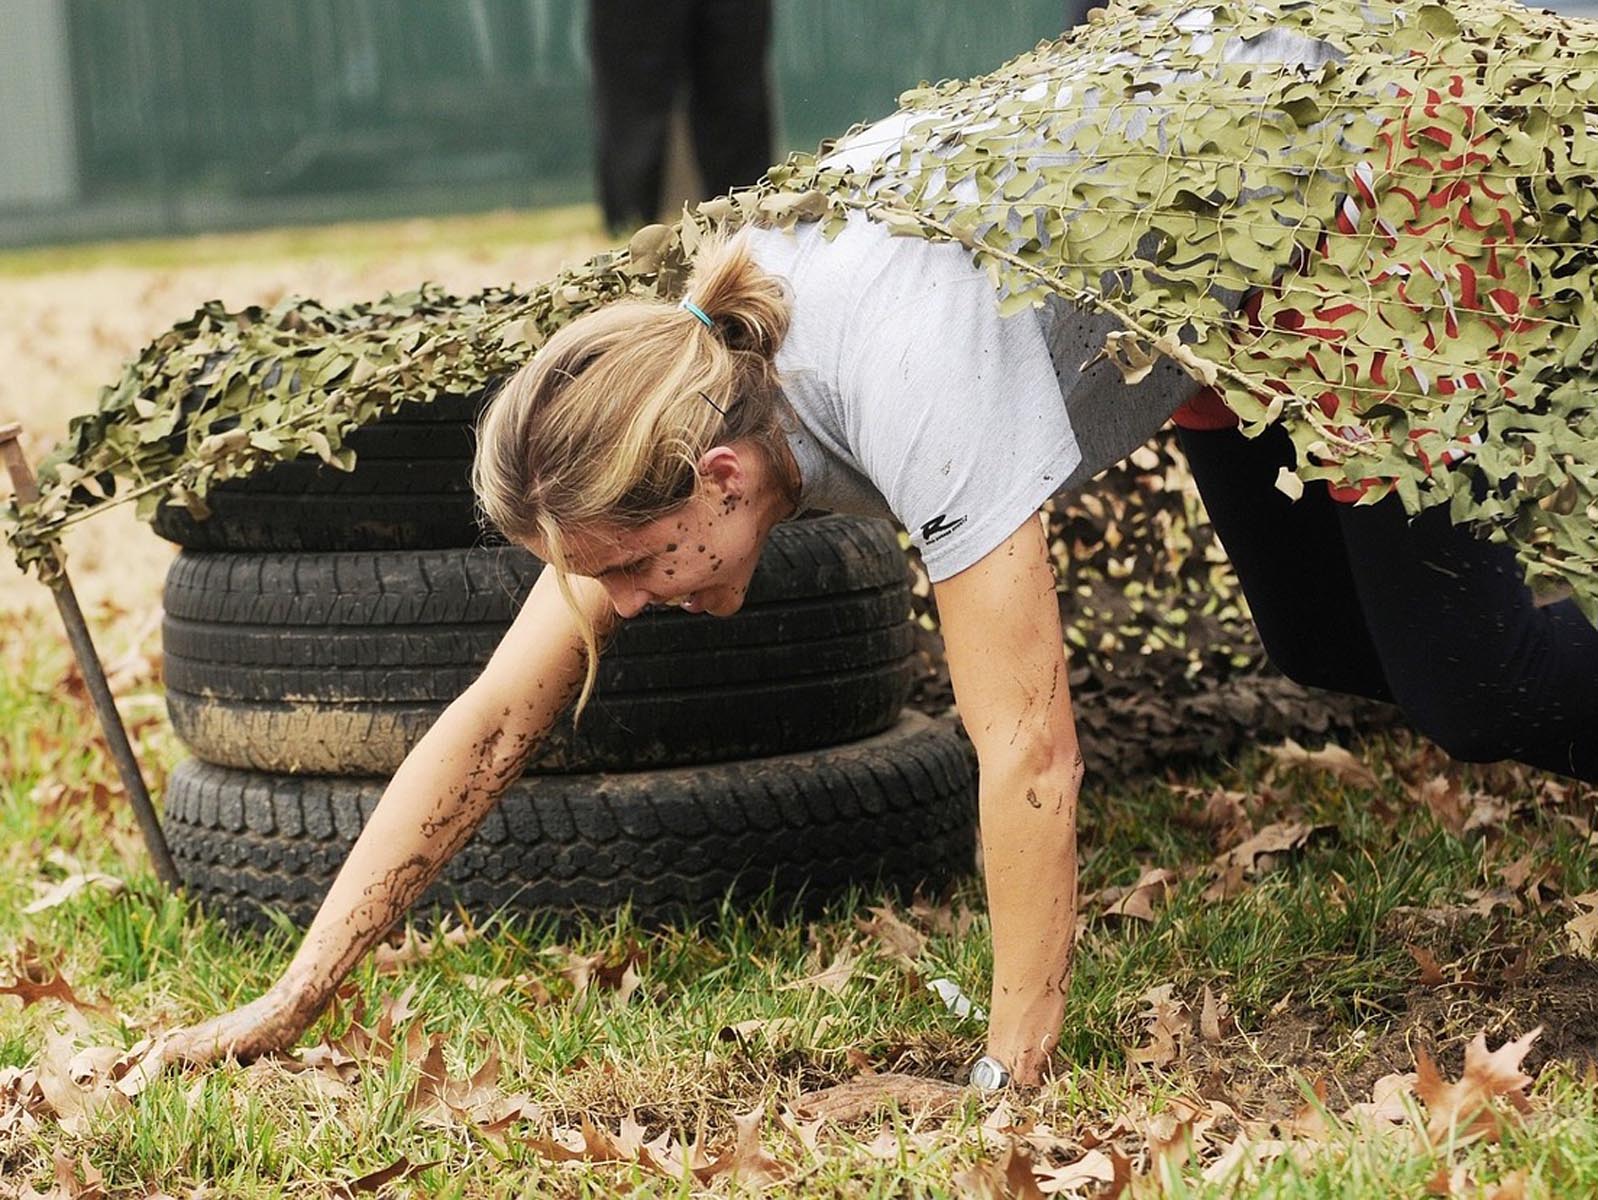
{"x": 637, "y": 52}
{"x": 1290, "y": 558}
{"x": 1475, "y": 664}
{"x": 730, "y": 106}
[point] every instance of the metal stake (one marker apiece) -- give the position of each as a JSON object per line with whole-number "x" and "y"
{"x": 116, "y": 735}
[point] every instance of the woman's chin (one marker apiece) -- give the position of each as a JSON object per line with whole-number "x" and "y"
{"x": 722, "y": 605}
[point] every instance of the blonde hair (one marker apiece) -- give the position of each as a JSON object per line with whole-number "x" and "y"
{"x": 607, "y": 423}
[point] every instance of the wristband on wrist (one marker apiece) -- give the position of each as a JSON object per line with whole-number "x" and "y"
{"x": 988, "y": 1074}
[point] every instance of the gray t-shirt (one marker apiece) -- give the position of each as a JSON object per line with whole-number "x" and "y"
{"x": 916, "y": 400}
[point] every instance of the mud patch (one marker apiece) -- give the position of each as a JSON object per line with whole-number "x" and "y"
{"x": 1265, "y": 1072}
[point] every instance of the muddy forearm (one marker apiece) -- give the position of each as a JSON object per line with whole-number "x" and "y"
{"x": 1029, "y": 857}
{"x": 431, "y": 808}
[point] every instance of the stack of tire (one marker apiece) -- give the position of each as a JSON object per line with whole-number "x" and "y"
{"x": 318, "y": 621}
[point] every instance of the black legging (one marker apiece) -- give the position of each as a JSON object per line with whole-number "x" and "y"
{"x": 641, "y": 55}
{"x": 1364, "y": 600}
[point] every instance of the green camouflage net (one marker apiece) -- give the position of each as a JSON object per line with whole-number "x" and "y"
{"x": 1408, "y": 205}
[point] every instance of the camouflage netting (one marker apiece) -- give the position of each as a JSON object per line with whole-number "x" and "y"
{"x": 1416, "y": 213}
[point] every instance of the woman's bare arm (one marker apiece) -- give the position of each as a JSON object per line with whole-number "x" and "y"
{"x": 1001, "y": 629}
{"x": 430, "y": 809}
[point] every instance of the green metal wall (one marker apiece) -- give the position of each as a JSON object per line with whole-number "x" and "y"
{"x": 193, "y": 114}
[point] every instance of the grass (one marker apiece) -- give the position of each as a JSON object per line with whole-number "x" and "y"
{"x": 355, "y": 242}
{"x": 1317, "y": 944}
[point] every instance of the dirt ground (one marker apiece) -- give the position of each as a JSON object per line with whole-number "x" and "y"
{"x": 70, "y": 330}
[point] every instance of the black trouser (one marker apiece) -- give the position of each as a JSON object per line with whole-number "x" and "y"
{"x": 1364, "y": 600}
{"x": 642, "y": 55}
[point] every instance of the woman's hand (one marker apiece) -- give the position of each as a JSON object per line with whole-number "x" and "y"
{"x": 1001, "y": 629}
{"x": 268, "y": 1025}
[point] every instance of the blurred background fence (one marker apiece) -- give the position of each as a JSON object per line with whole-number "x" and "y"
{"x": 159, "y": 117}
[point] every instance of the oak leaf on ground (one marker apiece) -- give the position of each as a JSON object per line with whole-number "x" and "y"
{"x": 1463, "y": 1109}
{"x": 1341, "y": 764}
{"x": 437, "y": 1099}
{"x": 861, "y": 1097}
{"x": 618, "y": 973}
{"x": 834, "y": 977}
{"x": 898, "y": 941}
{"x": 1169, "y": 1026}
{"x": 414, "y": 947}
{"x": 1137, "y": 902}
{"x": 746, "y": 1160}
{"x": 54, "y": 988}
{"x": 400, "y": 1169}
{"x": 1583, "y": 928}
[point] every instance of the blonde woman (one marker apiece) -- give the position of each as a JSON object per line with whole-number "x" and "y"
{"x": 650, "y": 447}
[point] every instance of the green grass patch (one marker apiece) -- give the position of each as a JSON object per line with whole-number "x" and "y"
{"x": 1313, "y": 959}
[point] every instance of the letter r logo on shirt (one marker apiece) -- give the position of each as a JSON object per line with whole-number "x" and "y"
{"x": 939, "y": 526}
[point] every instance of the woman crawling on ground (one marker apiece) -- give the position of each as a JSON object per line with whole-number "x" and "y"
{"x": 649, "y": 448}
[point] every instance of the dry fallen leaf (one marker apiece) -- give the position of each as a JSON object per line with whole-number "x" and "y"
{"x": 617, "y": 974}
{"x": 864, "y": 1096}
{"x": 1224, "y": 812}
{"x": 67, "y": 1185}
{"x": 1510, "y": 1187}
{"x": 414, "y": 948}
{"x": 1431, "y": 971}
{"x": 1389, "y": 1105}
{"x": 1583, "y": 929}
{"x": 1011, "y": 1178}
{"x": 747, "y": 1161}
{"x": 898, "y": 941}
{"x": 343, "y": 1056}
{"x": 55, "y": 988}
{"x": 1445, "y": 799}
{"x": 1213, "y": 1016}
{"x": 942, "y": 918}
{"x": 436, "y": 1099}
{"x": 78, "y": 1084}
{"x": 1169, "y": 1027}
{"x": 400, "y": 1169}
{"x": 832, "y": 978}
{"x": 1091, "y": 1172}
{"x": 71, "y": 886}
{"x": 1258, "y": 854}
{"x": 1137, "y": 902}
{"x": 1463, "y": 1110}
{"x": 1241, "y": 1159}
{"x": 525, "y": 983}
{"x": 1309, "y": 1119}
{"x": 1332, "y": 758}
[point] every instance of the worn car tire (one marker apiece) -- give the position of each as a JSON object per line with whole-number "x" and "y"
{"x": 411, "y": 488}
{"x": 338, "y": 663}
{"x": 897, "y": 809}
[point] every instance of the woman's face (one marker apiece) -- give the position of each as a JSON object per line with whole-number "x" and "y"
{"x": 700, "y": 556}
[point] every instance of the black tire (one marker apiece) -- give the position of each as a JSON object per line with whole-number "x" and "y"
{"x": 337, "y": 664}
{"x": 897, "y": 809}
{"x": 411, "y": 488}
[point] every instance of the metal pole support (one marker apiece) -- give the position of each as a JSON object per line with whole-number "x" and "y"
{"x": 116, "y": 735}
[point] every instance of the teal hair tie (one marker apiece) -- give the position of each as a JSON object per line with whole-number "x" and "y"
{"x": 698, "y": 312}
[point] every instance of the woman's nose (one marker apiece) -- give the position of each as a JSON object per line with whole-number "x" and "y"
{"x": 627, "y": 600}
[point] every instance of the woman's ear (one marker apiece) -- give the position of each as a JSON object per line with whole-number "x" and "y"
{"x": 724, "y": 467}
